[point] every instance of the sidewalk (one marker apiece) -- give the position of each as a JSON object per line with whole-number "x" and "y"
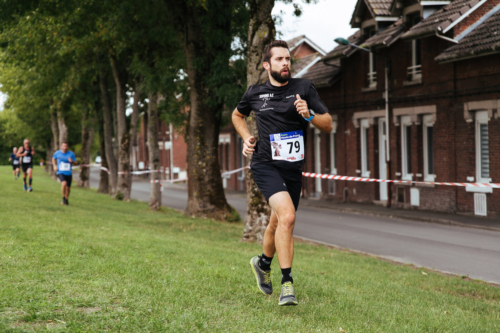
{"x": 407, "y": 214}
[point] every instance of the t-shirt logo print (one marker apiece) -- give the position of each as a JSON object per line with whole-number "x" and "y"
{"x": 265, "y": 103}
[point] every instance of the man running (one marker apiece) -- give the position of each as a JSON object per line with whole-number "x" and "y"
{"x": 62, "y": 162}
{"x": 15, "y": 163}
{"x": 284, "y": 107}
{"x": 26, "y": 153}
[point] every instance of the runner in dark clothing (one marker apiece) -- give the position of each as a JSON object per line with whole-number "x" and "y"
{"x": 25, "y": 153}
{"x": 15, "y": 163}
{"x": 284, "y": 108}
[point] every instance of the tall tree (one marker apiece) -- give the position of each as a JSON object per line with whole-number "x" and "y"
{"x": 154, "y": 152}
{"x": 261, "y": 31}
{"x": 205, "y": 31}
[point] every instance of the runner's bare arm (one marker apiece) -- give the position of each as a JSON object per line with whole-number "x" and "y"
{"x": 241, "y": 127}
{"x": 20, "y": 152}
{"x": 54, "y": 165}
{"x": 32, "y": 151}
{"x": 323, "y": 122}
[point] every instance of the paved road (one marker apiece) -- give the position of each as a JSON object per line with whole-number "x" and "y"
{"x": 456, "y": 250}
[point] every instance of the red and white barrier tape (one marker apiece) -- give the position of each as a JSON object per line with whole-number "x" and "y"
{"x": 372, "y": 180}
{"x": 314, "y": 175}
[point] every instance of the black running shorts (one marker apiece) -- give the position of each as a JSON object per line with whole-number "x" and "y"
{"x": 15, "y": 166}
{"x": 278, "y": 176}
{"x": 65, "y": 178}
{"x": 26, "y": 166}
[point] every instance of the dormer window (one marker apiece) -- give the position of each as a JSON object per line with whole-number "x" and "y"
{"x": 415, "y": 70}
{"x": 372, "y": 68}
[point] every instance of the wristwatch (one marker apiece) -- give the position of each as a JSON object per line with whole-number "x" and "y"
{"x": 312, "y": 113}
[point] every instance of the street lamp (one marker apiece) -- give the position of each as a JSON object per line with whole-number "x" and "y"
{"x": 343, "y": 41}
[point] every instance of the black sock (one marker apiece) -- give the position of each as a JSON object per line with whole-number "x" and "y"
{"x": 24, "y": 180}
{"x": 30, "y": 181}
{"x": 286, "y": 275}
{"x": 265, "y": 262}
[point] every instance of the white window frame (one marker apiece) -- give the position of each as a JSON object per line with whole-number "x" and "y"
{"x": 415, "y": 71}
{"x": 372, "y": 71}
{"x": 405, "y": 124}
{"x": 363, "y": 126}
{"x": 481, "y": 119}
{"x": 333, "y": 150}
{"x": 428, "y": 121}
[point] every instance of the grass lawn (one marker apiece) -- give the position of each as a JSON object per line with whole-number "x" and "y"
{"x": 105, "y": 265}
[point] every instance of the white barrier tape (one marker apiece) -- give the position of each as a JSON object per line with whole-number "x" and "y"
{"x": 168, "y": 180}
{"x": 372, "y": 180}
{"x": 227, "y": 173}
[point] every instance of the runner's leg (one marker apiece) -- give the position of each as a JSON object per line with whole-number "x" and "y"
{"x": 30, "y": 175}
{"x": 269, "y": 248}
{"x": 283, "y": 207}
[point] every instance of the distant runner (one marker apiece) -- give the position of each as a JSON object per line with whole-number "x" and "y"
{"x": 15, "y": 163}
{"x": 26, "y": 153}
{"x": 62, "y": 162}
{"x": 285, "y": 108}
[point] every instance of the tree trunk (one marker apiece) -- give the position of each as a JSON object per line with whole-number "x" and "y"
{"x": 206, "y": 197}
{"x": 261, "y": 32}
{"x": 108, "y": 131}
{"x": 55, "y": 140}
{"x": 63, "y": 129}
{"x": 154, "y": 151}
{"x": 87, "y": 135}
{"x": 123, "y": 189}
{"x": 104, "y": 178}
{"x": 48, "y": 159}
{"x": 133, "y": 124}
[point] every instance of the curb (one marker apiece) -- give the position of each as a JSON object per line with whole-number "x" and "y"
{"x": 403, "y": 217}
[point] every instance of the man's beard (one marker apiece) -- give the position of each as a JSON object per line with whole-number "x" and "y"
{"x": 280, "y": 77}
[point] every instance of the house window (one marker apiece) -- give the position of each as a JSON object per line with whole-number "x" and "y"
{"x": 333, "y": 159}
{"x": 428, "y": 135}
{"x": 415, "y": 70}
{"x": 365, "y": 160}
{"x": 406, "y": 148}
{"x": 482, "y": 148}
{"x": 372, "y": 66}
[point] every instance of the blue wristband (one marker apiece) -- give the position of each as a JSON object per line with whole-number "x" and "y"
{"x": 309, "y": 119}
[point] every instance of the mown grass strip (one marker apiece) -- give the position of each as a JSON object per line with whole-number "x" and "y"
{"x": 105, "y": 265}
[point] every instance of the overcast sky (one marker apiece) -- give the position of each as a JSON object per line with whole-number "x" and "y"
{"x": 321, "y": 22}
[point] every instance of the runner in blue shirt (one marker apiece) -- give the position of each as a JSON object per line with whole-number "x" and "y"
{"x": 62, "y": 161}
{"x": 15, "y": 163}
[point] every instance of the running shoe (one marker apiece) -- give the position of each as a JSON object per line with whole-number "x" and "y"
{"x": 30, "y": 189}
{"x": 287, "y": 296}
{"x": 263, "y": 278}
{"x": 63, "y": 201}
{"x": 25, "y": 187}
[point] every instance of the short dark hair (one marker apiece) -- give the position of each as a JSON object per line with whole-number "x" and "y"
{"x": 266, "y": 55}
{"x": 66, "y": 142}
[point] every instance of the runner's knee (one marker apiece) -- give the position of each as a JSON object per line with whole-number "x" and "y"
{"x": 287, "y": 221}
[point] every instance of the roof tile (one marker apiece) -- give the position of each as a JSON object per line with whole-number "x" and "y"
{"x": 386, "y": 37}
{"x": 483, "y": 40}
{"x": 442, "y": 18}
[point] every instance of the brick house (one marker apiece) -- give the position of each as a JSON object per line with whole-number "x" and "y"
{"x": 444, "y": 106}
{"x": 173, "y": 150}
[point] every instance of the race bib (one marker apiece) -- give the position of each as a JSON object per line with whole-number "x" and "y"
{"x": 26, "y": 159}
{"x": 287, "y": 146}
{"x": 63, "y": 166}
{"x": 15, "y": 162}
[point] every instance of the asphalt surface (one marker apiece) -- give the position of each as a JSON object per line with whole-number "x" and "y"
{"x": 462, "y": 251}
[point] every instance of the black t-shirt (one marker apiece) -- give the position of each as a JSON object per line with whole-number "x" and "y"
{"x": 276, "y": 112}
